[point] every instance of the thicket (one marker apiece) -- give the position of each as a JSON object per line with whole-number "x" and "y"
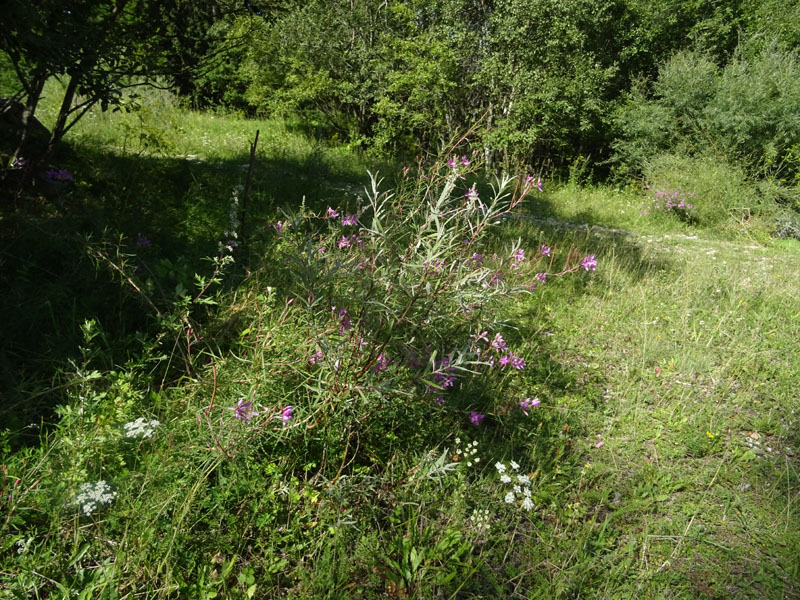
{"x": 400, "y": 77}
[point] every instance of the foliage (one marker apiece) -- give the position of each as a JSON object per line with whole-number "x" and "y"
{"x": 744, "y": 113}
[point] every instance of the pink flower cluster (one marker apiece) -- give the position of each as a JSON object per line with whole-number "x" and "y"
{"x": 674, "y": 200}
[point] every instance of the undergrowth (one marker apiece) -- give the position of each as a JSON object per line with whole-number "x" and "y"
{"x": 423, "y": 386}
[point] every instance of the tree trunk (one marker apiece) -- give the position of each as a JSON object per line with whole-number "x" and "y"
{"x": 63, "y": 113}
{"x": 27, "y": 115}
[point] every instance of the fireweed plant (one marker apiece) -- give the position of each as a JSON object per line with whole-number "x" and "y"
{"x": 669, "y": 200}
{"x": 397, "y": 297}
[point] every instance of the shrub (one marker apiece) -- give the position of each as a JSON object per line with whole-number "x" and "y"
{"x": 720, "y": 191}
{"x": 744, "y": 113}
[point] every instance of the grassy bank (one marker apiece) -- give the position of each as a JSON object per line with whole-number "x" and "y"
{"x": 653, "y": 426}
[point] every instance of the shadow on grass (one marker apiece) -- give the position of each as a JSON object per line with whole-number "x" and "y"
{"x": 169, "y": 214}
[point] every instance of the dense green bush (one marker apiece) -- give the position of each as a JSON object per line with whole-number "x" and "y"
{"x": 745, "y": 113}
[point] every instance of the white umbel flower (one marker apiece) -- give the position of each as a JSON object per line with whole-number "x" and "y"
{"x": 141, "y": 427}
{"x": 94, "y": 495}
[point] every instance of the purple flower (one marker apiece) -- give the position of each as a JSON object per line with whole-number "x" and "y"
{"x": 344, "y": 243}
{"x": 331, "y": 214}
{"x": 480, "y": 336}
{"x": 476, "y": 418}
{"x": 452, "y": 161}
{"x": 279, "y": 226}
{"x": 439, "y": 400}
{"x": 345, "y": 322}
{"x": 141, "y": 241}
{"x": 382, "y": 364}
{"x": 349, "y": 220}
{"x": 286, "y": 415}
{"x": 504, "y": 360}
{"x": 316, "y": 358}
{"x": 519, "y": 255}
{"x": 499, "y": 343}
{"x": 464, "y": 161}
{"x": 541, "y": 277}
{"x": 539, "y": 184}
{"x": 59, "y": 175}
{"x": 589, "y": 263}
{"x": 528, "y": 404}
{"x": 243, "y": 410}
{"x": 477, "y": 258}
{"x": 545, "y": 250}
{"x": 517, "y": 362}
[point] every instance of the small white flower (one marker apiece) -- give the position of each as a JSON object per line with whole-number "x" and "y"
{"x": 514, "y": 466}
{"x": 505, "y": 478}
{"x": 477, "y": 459}
{"x": 524, "y": 479}
{"x": 501, "y": 468}
{"x": 527, "y": 503}
{"x": 517, "y": 489}
{"x": 526, "y": 492}
{"x": 510, "y": 498}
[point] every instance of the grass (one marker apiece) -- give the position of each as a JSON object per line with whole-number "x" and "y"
{"x": 663, "y": 456}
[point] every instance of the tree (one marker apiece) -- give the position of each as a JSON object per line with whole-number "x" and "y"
{"x": 97, "y": 48}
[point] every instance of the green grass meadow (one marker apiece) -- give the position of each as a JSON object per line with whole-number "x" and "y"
{"x": 662, "y": 459}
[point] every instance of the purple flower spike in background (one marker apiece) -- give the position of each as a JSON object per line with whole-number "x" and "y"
{"x": 545, "y": 250}
{"x": 589, "y": 263}
{"x": 476, "y": 418}
{"x": 349, "y": 220}
{"x": 331, "y": 214}
{"x": 142, "y": 241}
